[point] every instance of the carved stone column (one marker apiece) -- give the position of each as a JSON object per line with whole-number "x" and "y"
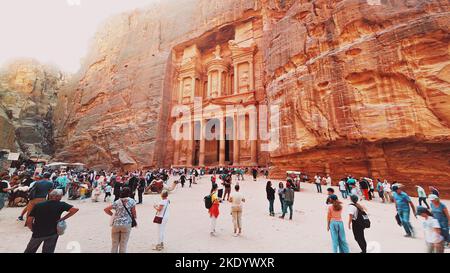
{"x": 209, "y": 86}
{"x": 219, "y": 84}
{"x": 236, "y": 148}
{"x": 253, "y": 141}
{"x": 254, "y": 152}
{"x": 201, "y": 161}
{"x": 235, "y": 79}
{"x": 176, "y": 154}
{"x": 190, "y": 156}
{"x": 222, "y": 142}
{"x": 252, "y": 73}
{"x": 180, "y": 91}
{"x": 193, "y": 89}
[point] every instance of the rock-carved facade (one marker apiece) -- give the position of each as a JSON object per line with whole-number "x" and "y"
{"x": 221, "y": 77}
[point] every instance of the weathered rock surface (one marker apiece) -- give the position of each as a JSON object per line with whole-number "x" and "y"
{"x": 116, "y": 110}
{"x": 364, "y": 86}
{"x": 27, "y": 98}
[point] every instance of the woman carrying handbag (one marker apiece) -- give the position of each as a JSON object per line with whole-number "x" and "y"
{"x": 123, "y": 220}
{"x": 162, "y": 215}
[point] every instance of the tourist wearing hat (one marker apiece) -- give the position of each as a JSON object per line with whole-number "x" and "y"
{"x": 440, "y": 212}
{"x": 432, "y": 229}
{"x": 402, "y": 204}
{"x": 336, "y": 226}
{"x": 354, "y": 209}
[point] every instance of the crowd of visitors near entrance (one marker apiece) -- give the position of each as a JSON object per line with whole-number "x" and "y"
{"x": 40, "y": 195}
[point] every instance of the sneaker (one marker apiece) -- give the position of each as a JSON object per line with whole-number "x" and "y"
{"x": 212, "y": 234}
{"x": 407, "y": 236}
{"x": 20, "y": 218}
{"x": 235, "y": 235}
{"x": 157, "y": 247}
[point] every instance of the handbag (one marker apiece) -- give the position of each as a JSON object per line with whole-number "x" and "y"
{"x": 61, "y": 227}
{"x": 133, "y": 220}
{"x": 158, "y": 219}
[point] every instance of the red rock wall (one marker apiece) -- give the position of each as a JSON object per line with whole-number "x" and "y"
{"x": 363, "y": 88}
{"x": 115, "y": 113}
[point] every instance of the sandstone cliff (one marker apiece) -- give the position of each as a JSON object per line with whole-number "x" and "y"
{"x": 363, "y": 85}
{"x": 364, "y": 88}
{"x": 28, "y": 92}
{"x": 116, "y": 111}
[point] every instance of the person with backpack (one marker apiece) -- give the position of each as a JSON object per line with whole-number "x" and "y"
{"x": 212, "y": 204}
{"x": 358, "y": 221}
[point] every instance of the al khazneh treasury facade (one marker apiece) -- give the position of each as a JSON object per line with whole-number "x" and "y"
{"x": 221, "y": 70}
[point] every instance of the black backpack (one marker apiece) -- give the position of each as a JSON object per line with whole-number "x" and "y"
{"x": 208, "y": 201}
{"x": 362, "y": 219}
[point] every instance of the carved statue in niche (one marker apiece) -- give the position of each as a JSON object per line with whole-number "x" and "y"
{"x": 214, "y": 84}
{"x": 244, "y": 79}
{"x": 187, "y": 90}
{"x": 217, "y": 53}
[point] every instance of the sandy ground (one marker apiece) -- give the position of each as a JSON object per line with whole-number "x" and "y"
{"x": 188, "y": 226}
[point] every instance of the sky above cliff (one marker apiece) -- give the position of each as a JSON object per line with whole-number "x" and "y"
{"x": 55, "y": 32}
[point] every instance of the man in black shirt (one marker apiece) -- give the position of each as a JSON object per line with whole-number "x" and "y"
{"x": 141, "y": 188}
{"x": 43, "y": 219}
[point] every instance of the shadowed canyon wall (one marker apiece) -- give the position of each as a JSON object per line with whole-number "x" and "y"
{"x": 28, "y": 96}
{"x": 363, "y": 86}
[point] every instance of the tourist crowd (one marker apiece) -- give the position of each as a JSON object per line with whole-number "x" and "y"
{"x": 40, "y": 194}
